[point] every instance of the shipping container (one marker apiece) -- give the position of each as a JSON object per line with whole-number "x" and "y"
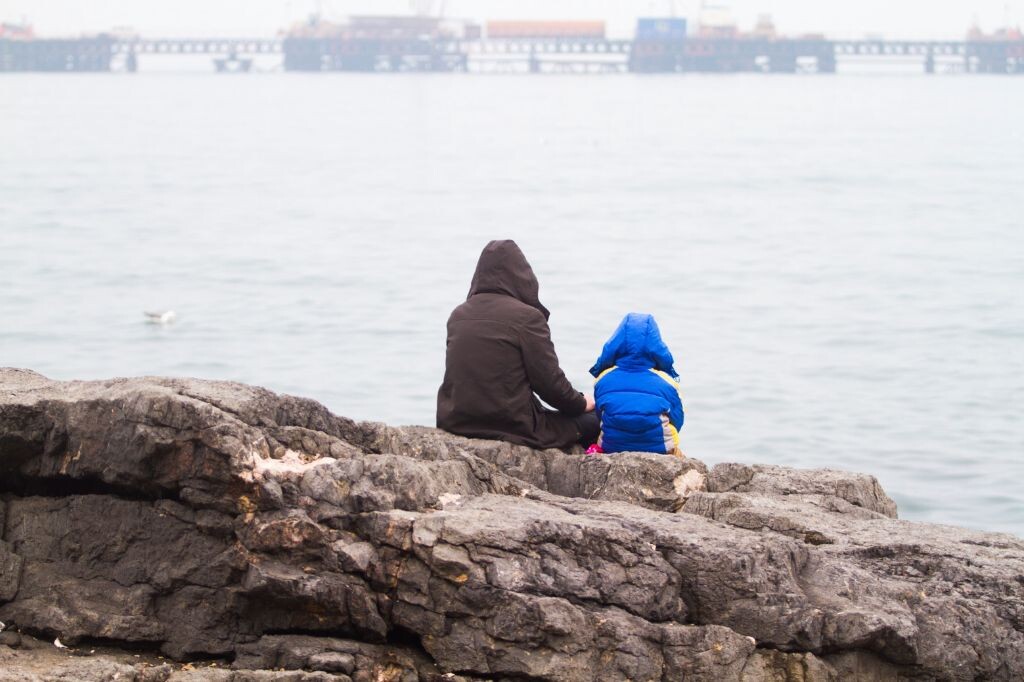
{"x": 668, "y": 29}
{"x": 369, "y": 28}
{"x": 545, "y": 29}
{"x": 16, "y": 31}
{"x": 388, "y": 27}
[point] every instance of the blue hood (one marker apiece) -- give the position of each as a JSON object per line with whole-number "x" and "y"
{"x": 636, "y": 344}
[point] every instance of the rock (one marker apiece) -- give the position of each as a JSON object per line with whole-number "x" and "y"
{"x": 656, "y": 482}
{"x": 789, "y": 667}
{"x": 859, "y": 490}
{"x": 10, "y": 571}
{"x": 334, "y": 655}
{"x": 332, "y": 661}
{"x": 211, "y": 519}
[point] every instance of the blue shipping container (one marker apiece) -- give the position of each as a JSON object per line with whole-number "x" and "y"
{"x": 668, "y": 29}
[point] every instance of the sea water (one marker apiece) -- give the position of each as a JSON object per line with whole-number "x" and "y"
{"x": 836, "y": 261}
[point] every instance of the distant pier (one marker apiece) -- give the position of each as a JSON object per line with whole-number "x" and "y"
{"x": 76, "y": 55}
{"x": 529, "y": 55}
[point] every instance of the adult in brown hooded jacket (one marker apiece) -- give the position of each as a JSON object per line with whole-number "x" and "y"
{"x": 500, "y": 359}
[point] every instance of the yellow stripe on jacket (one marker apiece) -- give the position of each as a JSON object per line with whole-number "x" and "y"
{"x": 671, "y": 434}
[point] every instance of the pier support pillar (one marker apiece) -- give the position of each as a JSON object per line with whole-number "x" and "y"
{"x": 994, "y": 64}
{"x": 929, "y": 63}
{"x": 306, "y": 54}
{"x": 782, "y": 64}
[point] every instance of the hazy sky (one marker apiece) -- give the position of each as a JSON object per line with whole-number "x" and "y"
{"x": 839, "y": 18}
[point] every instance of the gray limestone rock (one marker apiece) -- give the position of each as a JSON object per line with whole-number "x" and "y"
{"x": 210, "y": 519}
{"x": 859, "y": 490}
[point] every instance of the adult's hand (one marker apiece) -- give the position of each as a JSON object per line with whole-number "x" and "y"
{"x": 590, "y": 402}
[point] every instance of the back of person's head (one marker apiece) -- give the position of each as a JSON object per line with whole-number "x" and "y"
{"x": 636, "y": 344}
{"x": 503, "y": 269}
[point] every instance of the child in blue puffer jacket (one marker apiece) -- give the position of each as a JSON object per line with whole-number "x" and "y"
{"x": 637, "y": 391}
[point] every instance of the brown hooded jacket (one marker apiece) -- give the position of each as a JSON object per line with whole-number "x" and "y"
{"x": 500, "y": 358}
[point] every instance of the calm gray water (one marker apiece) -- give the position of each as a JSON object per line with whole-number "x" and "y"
{"x": 836, "y": 262}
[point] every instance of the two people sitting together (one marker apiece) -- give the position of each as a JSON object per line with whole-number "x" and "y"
{"x": 500, "y": 364}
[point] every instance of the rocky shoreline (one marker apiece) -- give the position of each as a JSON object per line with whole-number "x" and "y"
{"x": 243, "y": 535}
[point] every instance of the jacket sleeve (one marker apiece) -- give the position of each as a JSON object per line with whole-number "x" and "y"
{"x": 672, "y": 394}
{"x": 676, "y": 415}
{"x": 546, "y": 378}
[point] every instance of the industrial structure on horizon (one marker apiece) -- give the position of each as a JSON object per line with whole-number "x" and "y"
{"x": 426, "y": 41}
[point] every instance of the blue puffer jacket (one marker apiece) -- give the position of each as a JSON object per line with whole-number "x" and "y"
{"x": 637, "y": 390}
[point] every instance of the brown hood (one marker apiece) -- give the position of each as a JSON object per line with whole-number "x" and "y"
{"x": 503, "y": 269}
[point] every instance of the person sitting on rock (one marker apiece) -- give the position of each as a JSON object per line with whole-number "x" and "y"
{"x": 500, "y": 358}
{"x": 637, "y": 391}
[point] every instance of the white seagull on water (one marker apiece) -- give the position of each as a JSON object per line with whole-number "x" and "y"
{"x": 164, "y": 318}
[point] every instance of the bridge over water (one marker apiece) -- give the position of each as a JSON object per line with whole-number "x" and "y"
{"x": 536, "y": 55}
